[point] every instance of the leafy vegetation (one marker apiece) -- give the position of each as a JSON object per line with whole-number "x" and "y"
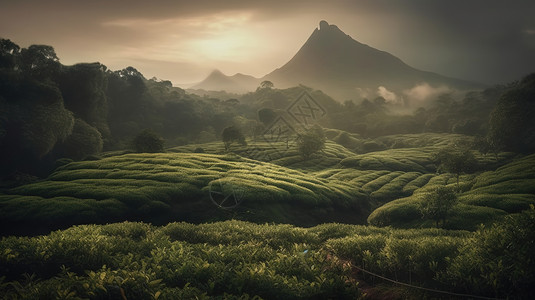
{"x": 310, "y": 141}
{"x": 148, "y": 141}
{"x": 235, "y": 259}
{"x": 179, "y": 260}
{"x": 437, "y": 204}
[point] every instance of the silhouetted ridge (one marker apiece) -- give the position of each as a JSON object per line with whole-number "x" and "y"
{"x": 217, "y": 81}
{"x": 339, "y": 65}
{"x": 333, "y": 61}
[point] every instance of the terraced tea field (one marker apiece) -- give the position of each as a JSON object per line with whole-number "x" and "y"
{"x": 267, "y": 182}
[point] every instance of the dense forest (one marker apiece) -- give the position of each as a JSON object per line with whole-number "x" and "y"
{"x": 438, "y": 195}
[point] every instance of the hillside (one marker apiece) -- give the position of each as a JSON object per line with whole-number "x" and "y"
{"x": 270, "y": 184}
{"x": 178, "y": 186}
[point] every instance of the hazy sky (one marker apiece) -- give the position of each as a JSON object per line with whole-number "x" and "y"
{"x": 491, "y": 41}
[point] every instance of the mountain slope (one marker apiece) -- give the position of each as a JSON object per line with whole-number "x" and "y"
{"x": 336, "y": 63}
{"x": 238, "y": 83}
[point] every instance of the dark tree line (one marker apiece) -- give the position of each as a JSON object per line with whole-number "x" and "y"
{"x": 50, "y": 111}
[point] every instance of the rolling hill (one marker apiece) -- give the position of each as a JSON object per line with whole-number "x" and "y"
{"x": 271, "y": 184}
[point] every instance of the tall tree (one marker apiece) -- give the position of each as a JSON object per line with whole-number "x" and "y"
{"x": 511, "y": 123}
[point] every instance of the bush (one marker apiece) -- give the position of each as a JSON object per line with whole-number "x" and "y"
{"x": 233, "y": 134}
{"x": 437, "y": 204}
{"x": 148, "y": 141}
{"x": 310, "y": 141}
{"x": 498, "y": 261}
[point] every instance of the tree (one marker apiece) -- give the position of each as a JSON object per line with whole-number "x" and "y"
{"x": 511, "y": 122}
{"x": 32, "y": 121}
{"x": 266, "y": 84}
{"x": 40, "y": 61}
{"x": 233, "y": 134}
{"x": 310, "y": 141}
{"x": 437, "y": 204}
{"x": 83, "y": 87}
{"x": 85, "y": 140}
{"x": 9, "y": 52}
{"x": 267, "y": 116}
{"x": 457, "y": 160}
{"x": 499, "y": 259}
{"x": 148, "y": 141}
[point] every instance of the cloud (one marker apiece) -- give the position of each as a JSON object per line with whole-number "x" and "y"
{"x": 389, "y": 96}
{"x": 424, "y": 92}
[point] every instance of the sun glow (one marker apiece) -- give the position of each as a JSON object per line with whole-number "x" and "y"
{"x": 228, "y": 47}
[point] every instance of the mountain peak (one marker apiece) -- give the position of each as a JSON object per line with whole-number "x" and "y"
{"x": 237, "y": 83}
{"x": 216, "y": 72}
{"x": 323, "y": 24}
{"x": 335, "y": 62}
{"x": 325, "y": 27}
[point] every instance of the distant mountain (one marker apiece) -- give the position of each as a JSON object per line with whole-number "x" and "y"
{"x": 238, "y": 83}
{"x": 334, "y": 62}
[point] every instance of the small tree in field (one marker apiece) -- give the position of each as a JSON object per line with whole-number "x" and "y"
{"x": 148, "y": 141}
{"x": 437, "y": 204}
{"x": 233, "y": 134}
{"x": 310, "y": 141}
{"x": 456, "y": 160}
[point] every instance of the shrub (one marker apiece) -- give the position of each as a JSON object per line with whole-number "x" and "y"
{"x": 310, "y": 141}
{"x": 148, "y": 141}
{"x": 85, "y": 140}
{"x": 498, "y": 261}
{"x": 437, "y": 204}
{"x": 233, "y": 134}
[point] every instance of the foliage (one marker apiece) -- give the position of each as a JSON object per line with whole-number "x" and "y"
{"x": 266, "y": 84}
{"x": 32, "y": 121}
{"x": 457, "y": 160}
{"x": 310, "y": 141}
{"x": 237, "y": 259}
{"x": 84, "y": 140}
{"x": 498, "y": 260}
{"x": 233, "y": 134}
{"x": 267, "y": 116}
{"x": 437, "y": 204}
{"x": 148, "y": 141}
{"x": 179, "y": 260}
{"x": 511, "y": 123}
